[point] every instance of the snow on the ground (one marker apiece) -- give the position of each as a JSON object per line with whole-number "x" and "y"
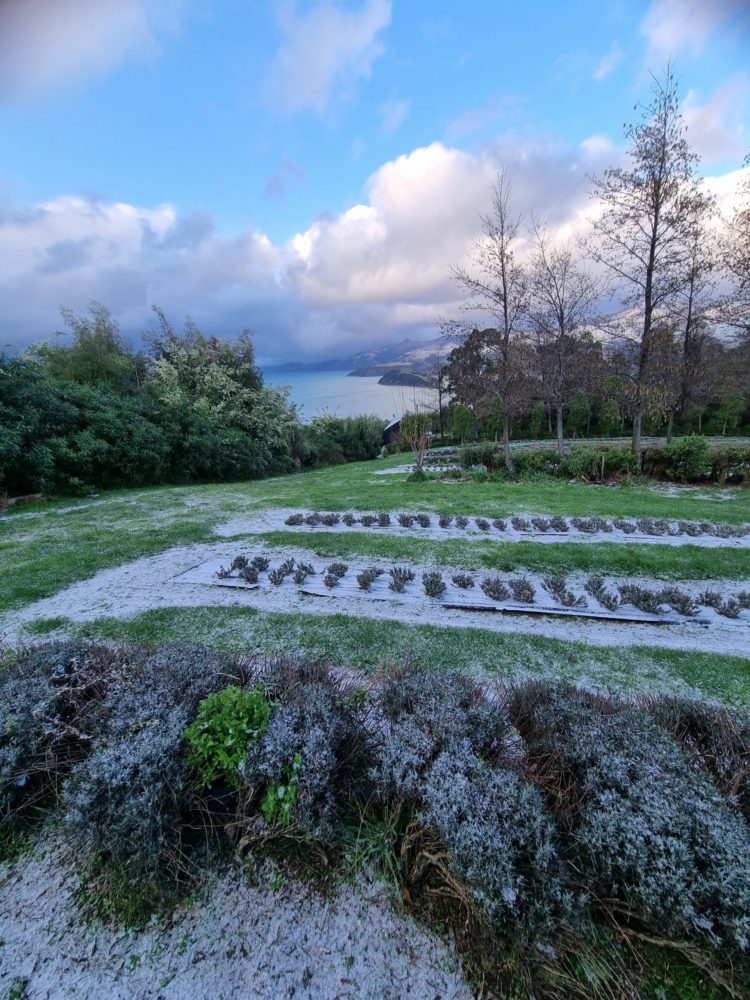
{"x": 185, "y": 577}
{"x": 273, "y": 519}
{"x": 242, "y": 940}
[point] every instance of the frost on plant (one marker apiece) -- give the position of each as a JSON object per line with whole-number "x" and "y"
{"x": 433, "y": 584}
{"x": 400, "y": 576}
{"x": 558, "y": 588}
{"x": 522, "y": 589}
{"x": 494, "y": 588}
{"x": 463, "y": 580}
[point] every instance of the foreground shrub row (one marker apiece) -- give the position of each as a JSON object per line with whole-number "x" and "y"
{"x": 523, "y": 815}
{"x": 652, "y": 526}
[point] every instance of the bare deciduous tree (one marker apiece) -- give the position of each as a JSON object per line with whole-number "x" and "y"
{"x": 497, "y": 286}
{"x": 562, "y": 297}
{"x": 643, "y": 234}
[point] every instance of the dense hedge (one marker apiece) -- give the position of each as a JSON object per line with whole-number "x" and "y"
{"x": 686, "y": 460}
{"x": 537, "y": 811}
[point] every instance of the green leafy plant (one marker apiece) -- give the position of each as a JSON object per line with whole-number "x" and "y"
{"x": 226, "y": 722}
{"x": 280, "y": 798}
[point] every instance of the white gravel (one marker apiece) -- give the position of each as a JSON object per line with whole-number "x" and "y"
{"x": 242, "y": 940}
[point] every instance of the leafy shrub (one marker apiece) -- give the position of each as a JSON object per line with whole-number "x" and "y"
{"x": 280, "y": 800}
{"x": 482, "y": 523}
{"x": 314, "y": 749}
{"x": 541, "y": 523}
{"x": 690, "y": 528}
{"x": 295, "y": 519}
{"x": 463, "y": 580}
{"x": 461, "y": 521}
{"x": 481, "y": 455}
{"x": 433, "y": 584}
{"x": 367, "y": 520}
{"x": 406, "y": 520}
{"x": 530, "y": 460}
{"x": 494, "y": 588}
{"x": 50, "y": 710}
{"x": 330, "y": 520}
{"x": 349, "y": 519}
{"x": 521, "y": 523}
{"x": 313, "y": 520}
{"x": 500, "y": 524}
{"x": 652, "y": 525}
{"x": 218, "y": 737}
{"x": 687, "y": 459}
{"x": 444, "y": 520}
{"x": 400, "y": 576}
{"x": 645, "y": 830}
{"x": 423, "y": 520}
{"x": 384, "y": 519}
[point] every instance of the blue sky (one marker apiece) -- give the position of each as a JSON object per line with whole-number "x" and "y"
{"x": 312, "y": 169}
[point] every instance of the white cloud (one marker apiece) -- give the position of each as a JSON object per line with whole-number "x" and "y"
{"x": 715, "y": 129}
{"x": 377, "y": 271}
{"x": 673, "y": 25}
{"x": 608, "y": 63}
{"x": 392, "y": 115}
{"x": 322, "y": 48}
{"x": 45, "y": 44}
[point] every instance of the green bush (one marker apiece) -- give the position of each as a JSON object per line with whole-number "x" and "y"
{"x": 481, "y": 454}
{"x": 226, "y": 722}
{"x": 687, "y": 459}
{"x": 536, "y": 460}
{"x": 280, "y": 799}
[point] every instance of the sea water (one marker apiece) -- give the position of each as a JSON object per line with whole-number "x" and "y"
{"x": 345, "y": 395}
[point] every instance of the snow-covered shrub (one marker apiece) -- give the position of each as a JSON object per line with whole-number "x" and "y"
{"x": 384, "y": 519}
{"x": 558, "y": 588}
{"x": 50, "y": 709}
{"x": 277, "y": 576}
{"x": 316, "y": 733}
{"x": 400, "y": 576}
{"x": 494, "y": 588}
{"x": 463, "y": 580}
{"x": 500, "y": 842}
{"x": 645, "y": 830}
{"x": 521, "y": 523}
{"x": 482, "y": 523}
{"x": 423, "y": 520}
{"x": 558, "y": 523}
{"x": 679, "y": 601}
{"x": 690, "y": 528}
{"x": 433, "y": 584}
{"x": 541, "y": 523}
{"x": 313, "y": 520}
{"x": 461, "y": 521}
{"x": 239, "y": 562}
{"x": 424, "y": 713}
{"x": 522, "y": 589}
{"x": 627, "y": 527}
{"x": 711, "y": 598}
{"x": 349, "y": 519}
{"x": 500, "y": 524}
{"x": 641, "y": 597}
{"x": 596, "y": 587}
{"x": 249, "y": 574}
{"x": 368, "y": 576}
{"x": 330, "y": 520}
{"x": 730, "y": 608}
{"x": 367, "y": 520}
{"x": 261, "y": 563}
{"x": 406, "y": 520}
{"x": 294, "y": 519}
{"x": 130, "y": 803}
{"x": 444, "y": 520}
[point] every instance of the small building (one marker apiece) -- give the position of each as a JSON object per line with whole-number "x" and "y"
{"x": 392, "y": 431}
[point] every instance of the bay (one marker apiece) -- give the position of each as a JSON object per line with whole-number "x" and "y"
{"x": 344, "y": 395}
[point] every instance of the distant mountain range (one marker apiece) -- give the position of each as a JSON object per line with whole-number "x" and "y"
{"x": 408, "y": 363}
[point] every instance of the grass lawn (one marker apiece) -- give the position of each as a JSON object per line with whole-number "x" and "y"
{"x": 45, "y": 549}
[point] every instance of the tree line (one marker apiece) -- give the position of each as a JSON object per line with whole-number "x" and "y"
{"x": 188, "y": 408}
{"x": 677, "y": 270}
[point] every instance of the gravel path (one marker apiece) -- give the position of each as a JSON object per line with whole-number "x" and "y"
{"x": 242, "y": 940}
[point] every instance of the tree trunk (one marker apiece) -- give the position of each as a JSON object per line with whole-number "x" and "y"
{"x": 637, "y": 425}
{"x": 670, "y": 426}
{"x": 549, "y": 420}
{"x": 506, "y": 445}
{"x": 560, "y": 433}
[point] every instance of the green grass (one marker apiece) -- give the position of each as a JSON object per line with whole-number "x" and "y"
{"x": 369, "y": 644}
{"x": 43, "y": 551}
{"x": 688, "y": 562}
